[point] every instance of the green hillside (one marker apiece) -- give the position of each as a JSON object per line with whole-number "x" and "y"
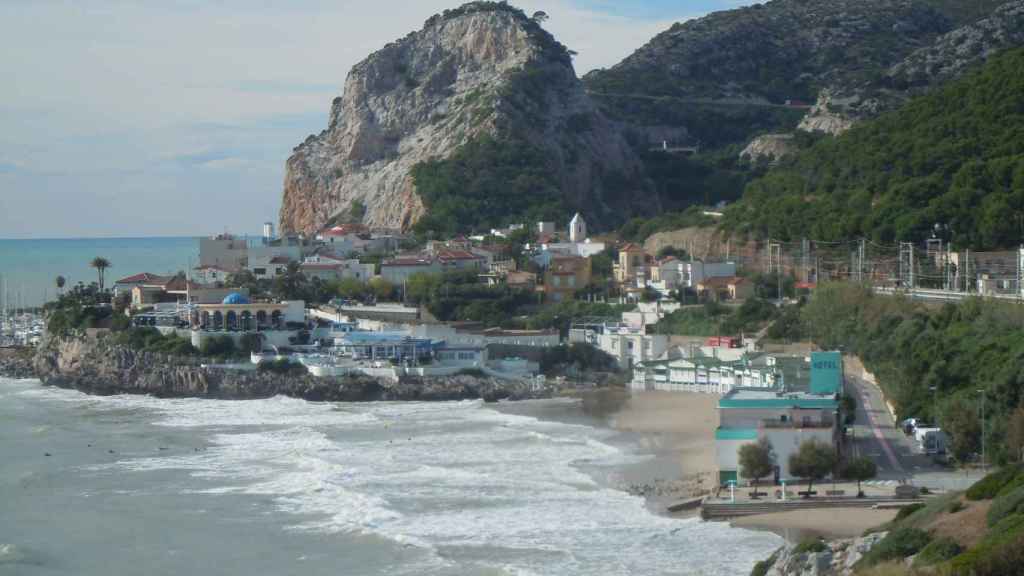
{"x": 954, "y": 156}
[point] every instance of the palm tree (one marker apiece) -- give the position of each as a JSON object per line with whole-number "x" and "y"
{"x": 100, "y": 264}
{"x": 61, "y": 281}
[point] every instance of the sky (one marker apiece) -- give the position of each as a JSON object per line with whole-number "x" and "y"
{"x": 157, "y": 118}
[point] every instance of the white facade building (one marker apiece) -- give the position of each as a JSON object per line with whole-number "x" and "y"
{"x": 577, "y": 229}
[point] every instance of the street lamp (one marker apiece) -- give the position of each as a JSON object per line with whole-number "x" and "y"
{"x": 983, "y": 466}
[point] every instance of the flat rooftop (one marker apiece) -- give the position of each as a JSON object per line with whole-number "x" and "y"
{"x": 739, "y": 398}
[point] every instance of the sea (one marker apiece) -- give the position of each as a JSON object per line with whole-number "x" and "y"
{"x": 138, "y": 485}
{"x": 30, "y": 267}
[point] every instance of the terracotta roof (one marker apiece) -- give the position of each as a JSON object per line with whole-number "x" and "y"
{"x": 458, "y": 255}
{"x": 143, "y": 278}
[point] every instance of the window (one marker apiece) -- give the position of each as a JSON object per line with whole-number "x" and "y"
{"x": 259, "y": 271}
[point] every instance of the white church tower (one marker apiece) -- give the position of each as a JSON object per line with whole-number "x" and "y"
{"x": 577, "y": 229}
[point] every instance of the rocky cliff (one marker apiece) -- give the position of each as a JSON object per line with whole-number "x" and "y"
{"x": 485, "y": 69}
{"x": 96, "y": 367}
{"x": 953, "y": 53}
{"x": 743, "y": 65}
{"x": 849, "y": 59}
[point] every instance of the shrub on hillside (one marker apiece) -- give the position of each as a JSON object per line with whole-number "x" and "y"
{"x": 938, "y": 550}
{"x": 762, "y": 567}
{"x": 989, "y": 487}
{"x": 998, "y": 553}
{"x": 809, "y": 545}
{"x": 900, "y": 543}
{"x": 907, "y": 511}
{"x": 1006, "y": 505}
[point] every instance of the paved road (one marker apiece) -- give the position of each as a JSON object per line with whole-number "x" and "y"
{"x": 877, "y": 436}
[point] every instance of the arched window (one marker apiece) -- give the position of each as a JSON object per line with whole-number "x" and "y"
{"x": 261, "y": 319}
{"x": 232, "y": 320}
{"x": 218, "y": 320}
{"x": 275, "y": 319}
{"x": 247, "y": 320}
{"x": 204, "y": 321}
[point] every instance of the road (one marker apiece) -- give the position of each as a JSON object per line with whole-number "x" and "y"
{"x": 896, "y": 454}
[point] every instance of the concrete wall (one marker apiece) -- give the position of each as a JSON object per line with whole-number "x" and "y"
{"x": 786, "y": 441}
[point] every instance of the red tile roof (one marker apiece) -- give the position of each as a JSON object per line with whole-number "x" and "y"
{"x": 143, "y": 278}
{"x": 458, "y": 255}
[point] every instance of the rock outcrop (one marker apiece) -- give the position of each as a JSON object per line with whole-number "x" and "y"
{"x": 769, "y": 147}
{"x": 953, "y": 53}
{"x": 482, "y": 69}
{"x": 16, "y": 363}
{"x": 837, "y": 558}
{"x": 97, "y": 367}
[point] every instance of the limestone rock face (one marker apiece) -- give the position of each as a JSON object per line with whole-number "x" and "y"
{"x": 962, "y": 48}
{"x": 837, "y": 559}
{"x": 772, "y": 147}
{"x": 424, "y": 96}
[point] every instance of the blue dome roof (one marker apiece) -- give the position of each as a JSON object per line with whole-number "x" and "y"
{"x": 235, "y": 298}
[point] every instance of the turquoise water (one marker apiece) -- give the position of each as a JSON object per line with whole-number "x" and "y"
{"x": 31, "y": 267}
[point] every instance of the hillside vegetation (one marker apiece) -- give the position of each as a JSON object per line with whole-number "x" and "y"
{"x": 956, "y": 349}
{"x": 954, "y": 535}
{"x": 955, "y": 156}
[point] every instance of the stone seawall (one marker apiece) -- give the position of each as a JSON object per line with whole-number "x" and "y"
{"x": 96, "y": 367}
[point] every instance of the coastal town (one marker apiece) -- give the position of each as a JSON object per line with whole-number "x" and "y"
{"x": 715, "y": 288}
{"x": 545, "y": 307}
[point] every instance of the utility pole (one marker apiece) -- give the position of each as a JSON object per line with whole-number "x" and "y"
{"x": 967, "y": 271}
{"x": 906, "y": 265}
{"x": 984, "y": 467}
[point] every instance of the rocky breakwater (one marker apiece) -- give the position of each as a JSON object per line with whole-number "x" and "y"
{"x": 484, "y": 70}
{"x": 97, "y": 367}
{"x": 16, "y": 363}
{"x": 835, "y": 558}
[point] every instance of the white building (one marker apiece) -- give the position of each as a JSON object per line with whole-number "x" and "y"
{"x": 629, "y": 346}
{"x": 577, "y": 229}
{"x": 717, "y": 371}
{"x": 672, "y": 274}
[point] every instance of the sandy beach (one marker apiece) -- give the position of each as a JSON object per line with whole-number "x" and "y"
{"x": 827, "y": 523}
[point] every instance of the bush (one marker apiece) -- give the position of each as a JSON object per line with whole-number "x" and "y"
{"x": 762, "y": 567}
{"x": 218, "y": 346}
{"x": 999, "y": 553}
{"x": 989, "y": 487}
{"x": 1006, "y": 505}
{"x": 955, "y": 506}
{"x": 900, "y": 543}
{"x": 810, "y": 545}
{"x": 938, "y": 550}
{"x": 282, "y": 366}
{"x": 907, "y": 511}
